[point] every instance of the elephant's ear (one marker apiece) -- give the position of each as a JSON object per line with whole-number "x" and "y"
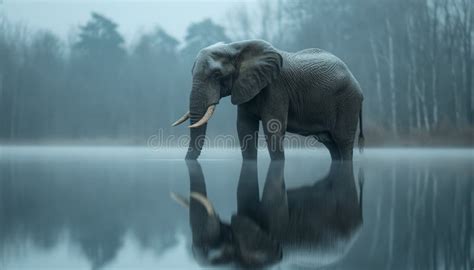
{"x": 256, "y": 247}
{"x": 258, "y": 64}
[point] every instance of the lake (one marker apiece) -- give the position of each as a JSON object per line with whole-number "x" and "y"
{"x": 110, "y": 207}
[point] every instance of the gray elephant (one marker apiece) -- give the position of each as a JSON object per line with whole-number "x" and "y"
{"x": 310, "y": 92}
{"x": 307, "y": 226}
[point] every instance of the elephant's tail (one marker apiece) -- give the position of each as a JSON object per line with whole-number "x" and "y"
{"x": 361, "y": 141}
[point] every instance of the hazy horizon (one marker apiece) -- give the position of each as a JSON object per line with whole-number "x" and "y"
{"x": 133, "y": 18}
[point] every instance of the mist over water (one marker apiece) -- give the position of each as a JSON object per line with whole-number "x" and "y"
{"x": 109, "y": 208}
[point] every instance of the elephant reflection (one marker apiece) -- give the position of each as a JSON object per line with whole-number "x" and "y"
{"x": 307, "y": 226}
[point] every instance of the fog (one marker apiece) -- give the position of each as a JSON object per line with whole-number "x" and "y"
{"x": 119, "y": 72}
{"x": 133, "y": 18}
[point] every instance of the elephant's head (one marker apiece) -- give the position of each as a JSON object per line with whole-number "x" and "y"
{"x": 241, "y": 242}
{"x": 240, "y": 69}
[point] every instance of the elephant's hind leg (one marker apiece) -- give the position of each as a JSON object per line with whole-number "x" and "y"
{"x": 348, "y": 111}
{"x": 346, "y": 149}
{"x": 333, "y": 150}
{"x": 330, "y": 144}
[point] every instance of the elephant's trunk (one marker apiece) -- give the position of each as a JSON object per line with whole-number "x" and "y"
{"x": 196, "y": 141}
{"x": 201, "y": 107}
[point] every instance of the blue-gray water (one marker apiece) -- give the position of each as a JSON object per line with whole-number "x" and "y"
{"x": 110, "y": 208}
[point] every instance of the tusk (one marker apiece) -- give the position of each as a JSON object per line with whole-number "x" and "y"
{"x": 205, "y": 118}
{"x": 180, "y": 199}
{"x": 181, "y": 120}
{"x": 204, "y": 201}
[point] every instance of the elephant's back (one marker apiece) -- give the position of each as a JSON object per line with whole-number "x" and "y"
{"x": 312, "y": 75}
{"x": 317, "y": 69}
{"x": 315, "y": 54}
{"x": 311, "y": 51}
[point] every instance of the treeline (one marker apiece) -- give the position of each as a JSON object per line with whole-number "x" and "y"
{"x": 94, "y": 87}
{"x": 413, "y": 59}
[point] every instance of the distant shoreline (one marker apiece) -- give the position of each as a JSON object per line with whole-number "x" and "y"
{"x": 124, "y": 145}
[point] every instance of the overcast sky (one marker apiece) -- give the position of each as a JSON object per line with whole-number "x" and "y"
{"x": 134, "y": 17}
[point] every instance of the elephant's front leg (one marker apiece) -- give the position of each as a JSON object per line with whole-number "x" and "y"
{"x": 275, "y": 128}
{"x": 247, "y": 129}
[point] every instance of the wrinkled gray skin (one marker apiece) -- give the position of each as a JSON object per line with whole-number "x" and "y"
{"x": 308, "y": 226}
{"x": 310, "y": 92}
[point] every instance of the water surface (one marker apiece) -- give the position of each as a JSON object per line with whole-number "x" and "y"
{"x": 110, "y": 208}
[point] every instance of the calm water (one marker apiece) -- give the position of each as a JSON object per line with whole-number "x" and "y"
{"x": 110, "y": 208}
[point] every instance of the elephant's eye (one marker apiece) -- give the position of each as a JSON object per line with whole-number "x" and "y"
{"x": 217, "y": 74}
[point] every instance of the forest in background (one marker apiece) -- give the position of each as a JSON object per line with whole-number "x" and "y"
{"x": 413, "y": 58}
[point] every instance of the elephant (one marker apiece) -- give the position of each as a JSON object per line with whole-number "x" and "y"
{"x": 307, "y": 226}
{"x": 310, "y": 93}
